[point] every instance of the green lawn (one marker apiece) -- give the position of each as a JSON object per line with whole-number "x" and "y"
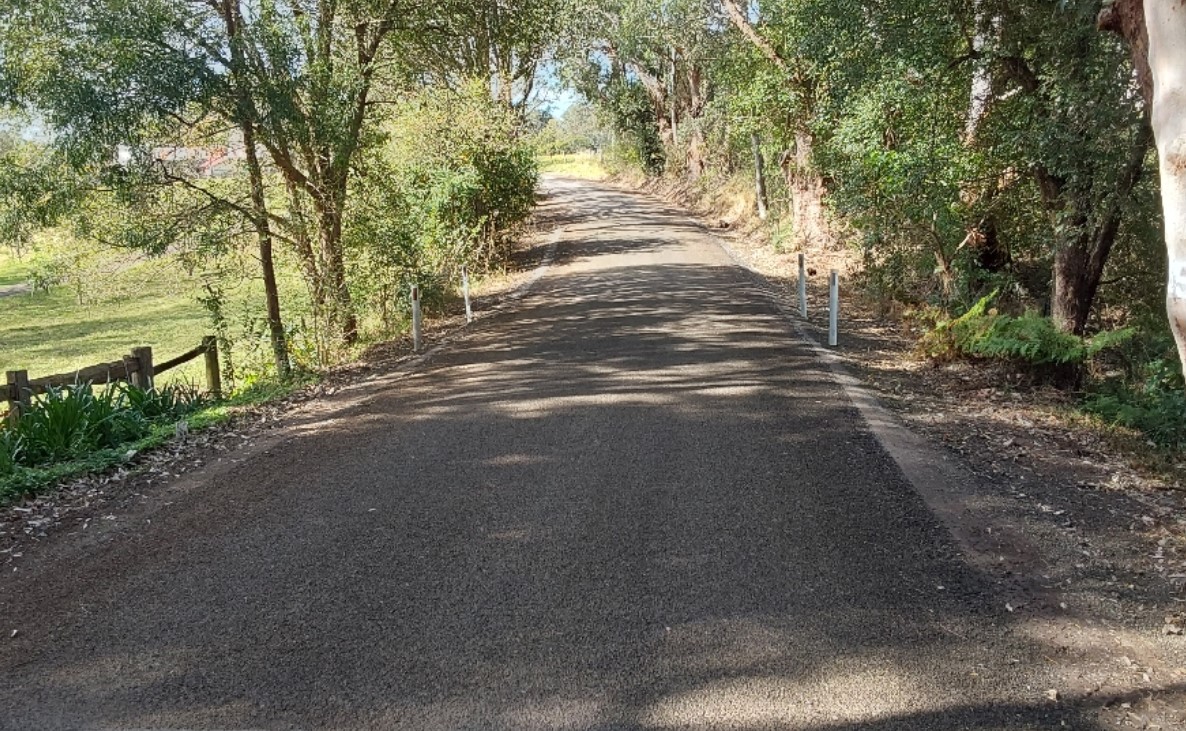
{"x": 12, "y": 271}
{"x": 134, "y": 302}
{"x": 52, "y": 333}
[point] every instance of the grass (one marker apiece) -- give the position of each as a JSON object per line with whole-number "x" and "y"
{"x": 12, "y": 270}
{"x": 578, "y": 165}
{"x": 49, "y": 333}
{"x": 133, "y": 302}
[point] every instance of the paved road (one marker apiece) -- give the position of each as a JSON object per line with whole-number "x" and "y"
{"x": 635, "y": 502}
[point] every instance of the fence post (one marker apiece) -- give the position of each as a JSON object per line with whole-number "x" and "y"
{"x": 19, "y": 394}
{"x": 833, "y": 307}
{"x": 142, "y": 376}
{"x": 213, "y": 374}
{"x": 802, "y": 287}
{"x": 469, "y": 313}
{"x": 416, "y": 318}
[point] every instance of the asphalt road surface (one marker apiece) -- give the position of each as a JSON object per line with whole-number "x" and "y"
{"x": 636, "y": 500}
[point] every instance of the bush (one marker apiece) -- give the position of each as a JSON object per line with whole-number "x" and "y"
{"x": 451, "y": 186}
{"x": 12, "y": 448}
{"x": 1151, "y": 402}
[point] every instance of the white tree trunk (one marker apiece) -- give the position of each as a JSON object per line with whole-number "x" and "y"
{"x": 1166, "y": 24}
{"x": 981, "y": 91}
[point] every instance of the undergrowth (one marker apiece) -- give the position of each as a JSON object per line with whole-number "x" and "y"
{"x": 1151, "y": 402}
{"x": 80, "y": 430}
{"x": 1129, "y": 379}
{"x": 1028, "y": 339}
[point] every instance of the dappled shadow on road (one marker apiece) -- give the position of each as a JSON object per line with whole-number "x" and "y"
{"x": 635, "y": 503}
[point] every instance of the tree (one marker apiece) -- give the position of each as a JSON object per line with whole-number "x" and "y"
{"x": 82, "y": 88}
{"x": 1154, "y": 30}
{"x": 496, "y": 41}
{"x": 645, "y": 65}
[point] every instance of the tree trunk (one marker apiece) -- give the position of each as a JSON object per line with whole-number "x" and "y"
{"x": 245, "y": 112}
{"x": 263, "y": 232}
{"x": 1154, "y": 30}
{"x": 1075, "y": 283}
{"x": 311, "y": 265}
{"x": 329, "y": 214}
{"x": 1079, "y": 263}
{"x": 982, "y": 236}
{"x": 807, "y": 193}
{"x": 759, "y": 175}
{"x": 1167, "y": 64}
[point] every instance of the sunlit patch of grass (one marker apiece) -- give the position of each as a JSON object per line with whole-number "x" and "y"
{"x": 578, "y": 165}
{"x": 50, "y": 333}
{"x": 12, "y": 270}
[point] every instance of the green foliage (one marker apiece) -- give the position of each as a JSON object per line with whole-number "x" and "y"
{"x": 12, "y": 451}
{"x": 1028, "y": 339}
{"x": 74, "y": 421}
{"x": 19, "y": 476}
{"x": 579, "y": 130}
{"x": 450, "y": 187}
{"x": 1151, "y": 403}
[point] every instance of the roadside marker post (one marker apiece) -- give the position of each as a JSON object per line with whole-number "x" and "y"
{"x": 802, "y": 287}
{"x": 416, "y": 318}
{"x": 833, "y": 307}
{"x": 469, "y": 313}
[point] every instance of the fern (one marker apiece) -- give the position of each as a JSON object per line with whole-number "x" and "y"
{"x": 1030, "y": 338}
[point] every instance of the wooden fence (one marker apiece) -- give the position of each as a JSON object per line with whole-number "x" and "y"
{"x": 136, "y": 368}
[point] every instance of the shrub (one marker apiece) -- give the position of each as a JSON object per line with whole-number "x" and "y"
{"x": 171, "y": 401}
{"x": 451, "y": 185}
{"x": 11, "y": 449}
{"x": 1028, "y": 339}
{"x": 73, "y": 421}
{"x": 61, "y": 425}
{"x": 1152, "y": 402}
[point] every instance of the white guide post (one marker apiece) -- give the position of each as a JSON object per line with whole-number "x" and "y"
{"x": 416, "y": 318}
{"x": 833, "y": 307}
{"x": 802, "y": 287}
{"x": 469, "y": 313}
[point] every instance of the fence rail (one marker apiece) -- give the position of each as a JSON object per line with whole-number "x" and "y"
{"x": 136, "y": 368}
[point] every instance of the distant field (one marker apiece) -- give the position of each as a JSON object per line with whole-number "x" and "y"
{"x": 11, "y": 270}
{"x": 52, "y": 333}
{"x": 579, "y": 165}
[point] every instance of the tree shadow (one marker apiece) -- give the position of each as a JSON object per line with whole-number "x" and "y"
{"x": 636, "y": 502}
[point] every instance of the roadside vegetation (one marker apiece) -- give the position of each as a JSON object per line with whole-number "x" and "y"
{"x": 281, "y": 179}
{"x": 278, "y": 182}
{"x": 987, "y": 169}
{"x": 588, "y": 165}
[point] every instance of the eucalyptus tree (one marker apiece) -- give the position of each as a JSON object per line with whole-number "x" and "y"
{"x": 501, "y": 43}
{"x": 1154, "y": 30}
{"x": 975, "y": 130}
{"x": 1068, "y": 112}
{"x": 296, "y": 78}
{"x": 776, "y": 32}
{"x": 647, "y": 65}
